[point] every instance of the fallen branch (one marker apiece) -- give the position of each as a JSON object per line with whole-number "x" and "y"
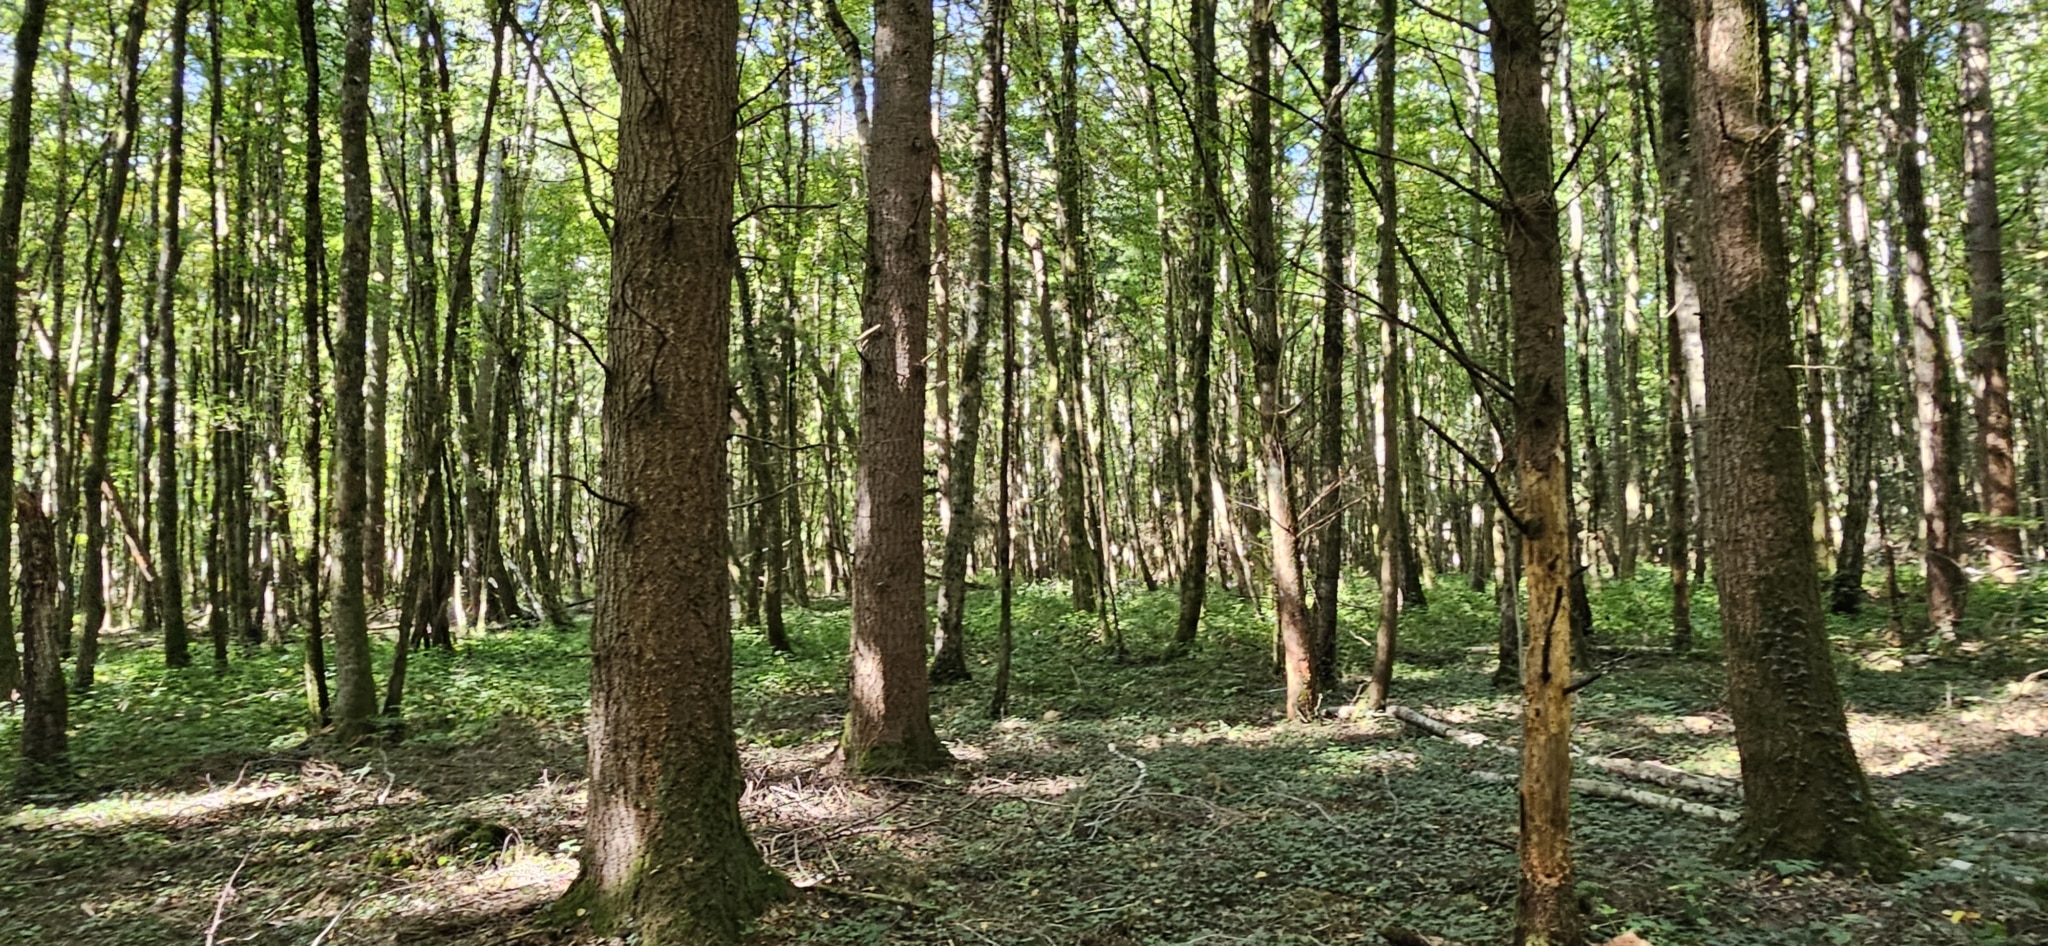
{"x": 220, "y": 905}
{"x": 1655, "y": 773}
{"x": 1586, "y": 786}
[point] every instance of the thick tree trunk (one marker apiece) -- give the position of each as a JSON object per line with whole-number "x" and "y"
{"x": 888, "y": 724}
{"x": 1548, "y": 912}
{"x": 949, "y": 661}
{"x": 1935, "y": 421}
{"x": 1984, "y": 240}
{"x": 112, "y": 196}
{"x": 666, "y": 854}
{"x": 1804, "y": 794}
{"x": 28, "y": 43}
{"x": 1859, "y": 396}
{"x": 355, "y": 696}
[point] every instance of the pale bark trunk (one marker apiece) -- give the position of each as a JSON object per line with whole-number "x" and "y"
{"x": 1984, "y": 242}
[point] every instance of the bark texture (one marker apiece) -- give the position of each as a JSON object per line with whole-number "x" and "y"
{"x": 355, "y": 691}
{"x": 888, "y": 721}
{"x": 1804, "y": 794}
{"x": 666, "y": 855}
{"x": 1548, "y": 912}
{"x": 1983, "y": 238}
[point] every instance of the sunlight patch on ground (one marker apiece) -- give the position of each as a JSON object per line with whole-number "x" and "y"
{"x": 130, "y": 808}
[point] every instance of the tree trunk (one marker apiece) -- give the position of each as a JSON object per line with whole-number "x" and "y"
{"x": 888, "y": 724}
{"x": 1859, "y": 396}
{"x": 1394, "y": 546}
{"x": 355, "y": 698}
{"x": 1984, "y": 240}
{"x": 170, "y": 581}
{"x": 313, "y": 312}
{"x": 1194, "y": 575}
{"x": 1267, "y": 351}
{"x": 1548, "y": 912}
{"x": 1334, "y": 176}
{"x": 949, "y": 661}
{"x": 1935, "y": 423}
{"x": 45, "y": 751}
{"x": 28, "y": 43}
{"x": 666, "y": 854}
{"x": 1804, "y": 794}
{"x": 112, "y": 196}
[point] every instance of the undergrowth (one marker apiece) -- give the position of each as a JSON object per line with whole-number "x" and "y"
{"x": 1125, "y": 800}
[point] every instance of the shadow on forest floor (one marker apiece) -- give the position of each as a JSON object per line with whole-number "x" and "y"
{"x": 1121, "y": 803}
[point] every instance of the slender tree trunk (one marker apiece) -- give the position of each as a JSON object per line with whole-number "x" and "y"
{"x": 1984, "y": 241}
{"x": 1394, "y": 545}
{"x": 1804, "y": 795}
{"x": 1674, "y": 169}
{"x": 1859, "y": 396}
{"x": 1006, "y": 454}
{"x": 1548, "y": 912}
{"x": 112, "y": 197}
{"x": 313, "y": 313}
{"x": 888, "y": 724}
{"x": 1334, "y": 176}
{"x": 1813, "y": 380}
{"x": 355, "y": 698}
{"x": 28, "y": 44}
{"x": 1194, "y": 576}
{"x": 666, "y": 854}
{"x": 1075, "y": 308}
{"x": 1934, "y": 412}
{"x": 1266, "y": 348}
{"x": 170, "y": 581}
{"x": 949, "y": 662}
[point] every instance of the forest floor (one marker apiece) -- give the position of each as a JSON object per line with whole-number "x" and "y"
{"x": 1124, "y": 802}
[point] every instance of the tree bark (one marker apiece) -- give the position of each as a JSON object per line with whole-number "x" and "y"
{"x": 1266, "y": 348}
{"x": 313, "y": 313}
{"x": 1804, "y": 794}
{"x": 1394, "y": 545}
{"x": 1334, "y": 175}
{"x": 28, "y": 44}
{"x": 1548, "y": 913}
{"x": 1859, "y": 396}
{"x": 355, "y": 692}
{"x": 112, "y": 197}
{"x": 45, "y": 748}
{"x": 1983, "y": 237}
{"x": 949, "y": 661}
{"x": 888, "y": 721}
{"x": 1935, "y": 422}
{"x": 1674, "y": 169}
{"x": 666, "y": 854}
{"x": 170, "y": 581}
{"x": 1194, "y": 575}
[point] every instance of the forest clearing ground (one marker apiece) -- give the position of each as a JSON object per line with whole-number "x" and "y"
{"x": 1133, "y": 803}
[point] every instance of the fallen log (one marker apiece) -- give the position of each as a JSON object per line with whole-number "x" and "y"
{"x": 1587, "y": 786}
{"x": 1655, "y": 773}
